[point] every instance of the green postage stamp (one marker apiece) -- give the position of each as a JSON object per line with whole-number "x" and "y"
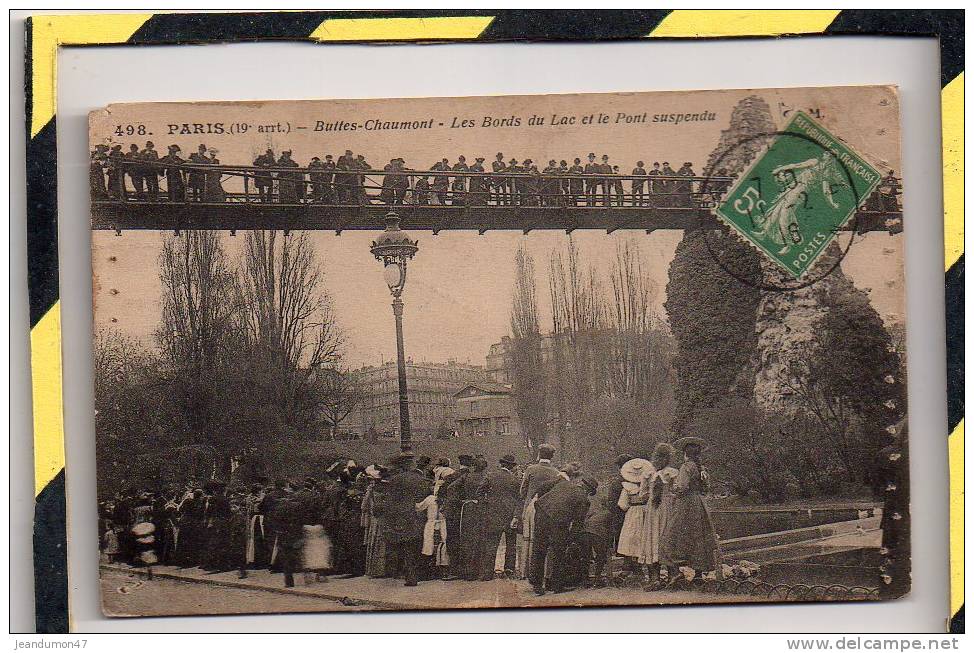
{"x": 798, "y": 194}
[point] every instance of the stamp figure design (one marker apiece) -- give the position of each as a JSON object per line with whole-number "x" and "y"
{"x": 797, "y": 195}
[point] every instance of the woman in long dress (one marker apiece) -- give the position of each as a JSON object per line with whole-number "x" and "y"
{"x": 213, "y": 189}
{"x": 659, "y": 488}
{"x": 375, "y": 545}
{"x": 689, "y": 539}
{"x": 633, "y": 502}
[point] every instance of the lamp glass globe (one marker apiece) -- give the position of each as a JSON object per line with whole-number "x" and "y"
{"x": 392, "y": 275}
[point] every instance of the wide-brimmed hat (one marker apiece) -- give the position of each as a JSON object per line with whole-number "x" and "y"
{"x": 373, "y": 472}
{"x": 508, "y": 459}
{"x": 681, "y": 443}
{"x": 635, "y": 469}
{"x": 143, "y": 529}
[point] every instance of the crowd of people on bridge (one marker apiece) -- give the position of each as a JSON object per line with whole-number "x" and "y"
{"x": 419, "y": 519}
{"x": 347, "y": 180}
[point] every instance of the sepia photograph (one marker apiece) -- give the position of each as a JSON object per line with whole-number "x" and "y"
{"x": 500, "y": 352}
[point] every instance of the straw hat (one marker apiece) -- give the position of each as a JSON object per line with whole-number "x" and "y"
{"x": 635, "y": 469}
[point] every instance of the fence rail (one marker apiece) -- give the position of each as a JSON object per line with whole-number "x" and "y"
{"x": 151, "y": 194}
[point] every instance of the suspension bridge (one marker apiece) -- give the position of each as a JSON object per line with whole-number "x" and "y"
{"x": 230, "y": 197}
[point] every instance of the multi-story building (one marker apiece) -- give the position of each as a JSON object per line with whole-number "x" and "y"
{"x": 500, "y": 362}
{"x": 432, "y": 405}
{"x": 485, "y": 410}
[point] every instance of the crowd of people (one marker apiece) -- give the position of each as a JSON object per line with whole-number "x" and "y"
{"x": 419, "y": 519}
{"x": 347, "y": 180}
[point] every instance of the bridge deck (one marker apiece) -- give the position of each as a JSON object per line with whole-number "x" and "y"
{"x": 121, "y": 216}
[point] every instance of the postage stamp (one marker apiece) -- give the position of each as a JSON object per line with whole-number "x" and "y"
{"x": 794, "y": 199}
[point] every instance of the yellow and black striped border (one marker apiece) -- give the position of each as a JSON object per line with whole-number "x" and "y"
{"x": 45, "y": 34}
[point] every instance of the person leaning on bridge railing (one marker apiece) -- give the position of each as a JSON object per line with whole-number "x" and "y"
{"x": 264, "y": 181}
{"x": 197, "y": 176}
{"x": 175, "y": 185}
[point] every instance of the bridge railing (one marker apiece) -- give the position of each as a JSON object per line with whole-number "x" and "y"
{"x": 156, "y": 181}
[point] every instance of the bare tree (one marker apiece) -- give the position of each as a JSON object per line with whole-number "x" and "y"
{"x": 198, "y": 339}
{"x": 340, "y": 394}
{"x": 289, "y": 318}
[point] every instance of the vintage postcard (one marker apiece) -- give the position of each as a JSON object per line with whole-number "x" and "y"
{"x": 506, "y": 351}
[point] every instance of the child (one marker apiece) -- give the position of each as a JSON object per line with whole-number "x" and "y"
{"x": 110, "y": 548}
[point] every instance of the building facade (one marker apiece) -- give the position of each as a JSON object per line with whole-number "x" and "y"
{"x": 500, "y": 362}
{"x": 431, "y": 389}
{"x": 486, "y": 410}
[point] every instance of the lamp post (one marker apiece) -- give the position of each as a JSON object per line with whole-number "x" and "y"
{"x": 393, "y": 248}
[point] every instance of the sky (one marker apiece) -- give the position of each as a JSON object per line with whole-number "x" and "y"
{"x": 458, "y": 291}
{"x": 458, "y": 288}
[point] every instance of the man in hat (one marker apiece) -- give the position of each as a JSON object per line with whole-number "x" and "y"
{"x": 151, "y": 171}
{"x": 290, "y": 184}
{"x": 638, "y": 184}
{"x": 575, "y": 185}
{"x": 592, "y": 183}
{"x": 135, "y": 171}
{"x": 441, "y": 182}
{"x": 535, "y": 476}
{"x": 362, "y": 166}
{"x": 684, "y": 188}
{"x": 514, "y": 184}
{"x": 478, "y": 184}
{"x": 656, "y": 186}
{"x": 452, "y": 494}
{"x": 329, "y": 178}
{"x": 316, "y": 175}
{"x": 264, "y": 180}
{"x": 605, "y": 183}
{"x": 116, "y": 173}
{"x": 668, "y": 185}
{"x": 467, "y": 515}
{"x": 175, "y": 184}
{"x": 344, "y": 178}
{"x": 197, "y": 177}
{"x": 402, "y": 523}
{"x": 560, "y": 512}
{"x": 500, "y": 493}
{"x": 219, "y": 556}
{"x": 460, "y": 183}
{"x": 498, "y": 182}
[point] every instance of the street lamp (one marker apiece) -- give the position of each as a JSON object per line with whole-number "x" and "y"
{"x": 394, "y": 248}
